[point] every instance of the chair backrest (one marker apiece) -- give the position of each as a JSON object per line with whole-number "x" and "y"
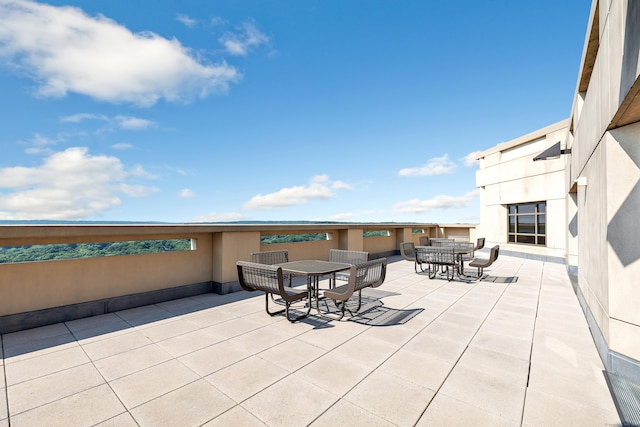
{"x": 408, "y": 251}
{"x": 480, "y": 243}
{"x": 270, "y": 257}
{"x": 467, "y": 246}
{"x": 369, "y": 274}
{"x": 425, "y": 241}
{"x": 494, "y": 253}
{"x": 260, "y": 277}
{"x": 348, "y": 257}
{"x": 443, "y": 242}
{"x": 468, "y": 249}
{"x": 441, "y": 255}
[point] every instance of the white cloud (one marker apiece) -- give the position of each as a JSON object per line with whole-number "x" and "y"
{"x": 41, "y": 144}
{"x": 438, "y": 202}
{"x": 319, "y": 188}
{"x": 189, "y": 22}
{"x": 137, "y": 190}
{"x": 66, "y": 50}
{"x": 220, "y": 217}
{"x": 37, "y": 150}
{"x": 240, "y": 44}
{"x": 186, "y": 193}
{"x": 120, "y": 121}
{"x": 133, "y": 123}
{"x": 351, "y": 215}
{"x": 470, "y": 159}
{"x": 343, "y": 216}
{"x": 139, "y": 172}
{"x": 217, "y": 21}
{"x": 339, "y": 185}
{"x": 435, "y": 166}
{"x": 40, "y": 141}
{"x": 122, "y": 146}
{"x": 70, "y": 184}
{"x": 80, "y": 117}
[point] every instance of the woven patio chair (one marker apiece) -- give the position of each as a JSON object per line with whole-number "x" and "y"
{"x": 440, "y": 258}
{"x": 481, "y": 263}
{"x": 425, "y": 241}
{"x": 469, "y": 247}
{"x": 410, "y": 253}
{"x": 347, "y": 257}
{"x": 269, "y": 279}
{"x": 271, "y": 258}
{"x": 369, "y": 274}
{"x": 443, "y": 242}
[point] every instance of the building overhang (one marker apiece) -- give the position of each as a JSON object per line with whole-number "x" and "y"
{"x": 552, "y": 152}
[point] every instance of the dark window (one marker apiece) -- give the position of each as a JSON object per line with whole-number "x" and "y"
{"x": 527, "y": 223}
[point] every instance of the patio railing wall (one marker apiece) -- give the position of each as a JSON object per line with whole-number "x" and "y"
{"x": 35, "y": 293}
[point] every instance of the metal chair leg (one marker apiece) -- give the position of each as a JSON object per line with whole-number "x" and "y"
{"x": 302, "y": 316}
{"x": 433, "y": 270}
{"x": 266, "y": 305}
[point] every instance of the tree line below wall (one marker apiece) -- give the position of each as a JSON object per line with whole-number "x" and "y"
{"x": 309, "y": 237}
{"x": 13, "y": 254}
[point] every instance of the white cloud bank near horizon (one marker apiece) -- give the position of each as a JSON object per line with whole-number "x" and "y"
{"x": 69, "y": 185}
{"x": 435, "y": 166}
{"x": 221, "y": 217}
{"x": 319, "y": 187}
{"x": 438, "y": 202}
{"x": 65, "y": 50}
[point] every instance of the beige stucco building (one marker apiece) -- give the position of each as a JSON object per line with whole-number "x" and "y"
{"x": 517, "y": 195}
{"x": 580, "y": 204}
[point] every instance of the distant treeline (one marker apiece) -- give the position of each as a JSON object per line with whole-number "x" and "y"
{"x": 291, "y": 238}
{"x": 11, "y": 254}
{"x": 309, "y": 237}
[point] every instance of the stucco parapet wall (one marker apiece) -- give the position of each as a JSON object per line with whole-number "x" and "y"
{"x": 25, "y": 234}
{"x": 563, "y": 124}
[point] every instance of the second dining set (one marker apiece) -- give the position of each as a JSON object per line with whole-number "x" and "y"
{"x": 446, "y": 256}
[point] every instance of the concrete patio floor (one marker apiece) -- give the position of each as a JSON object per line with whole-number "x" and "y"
{"x": 512, "y": 350}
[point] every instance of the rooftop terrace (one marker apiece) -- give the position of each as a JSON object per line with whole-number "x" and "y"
{"x": 512, "y": 350}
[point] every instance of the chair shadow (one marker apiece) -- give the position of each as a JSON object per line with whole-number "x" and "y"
{"x": 64, "y": 333}
{"x": 498, "y": 279}
{"x": 374, "y": 313}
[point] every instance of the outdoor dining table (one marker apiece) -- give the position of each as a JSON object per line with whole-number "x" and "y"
{"x": 313, "y": 269}
{"x": 459, "y": 249}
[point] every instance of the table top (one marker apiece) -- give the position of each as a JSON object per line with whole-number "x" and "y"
{"x": 313, "y": 267}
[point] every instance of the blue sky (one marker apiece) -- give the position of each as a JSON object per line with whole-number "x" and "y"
{"x": 327, "y": 110}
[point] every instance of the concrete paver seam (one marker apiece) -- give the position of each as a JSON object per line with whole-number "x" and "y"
{"x": 466, "y": 347}
{"x": 108, "y": 383}
{"x": 533, "y": 333}
{"x": 470, "y": 339}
